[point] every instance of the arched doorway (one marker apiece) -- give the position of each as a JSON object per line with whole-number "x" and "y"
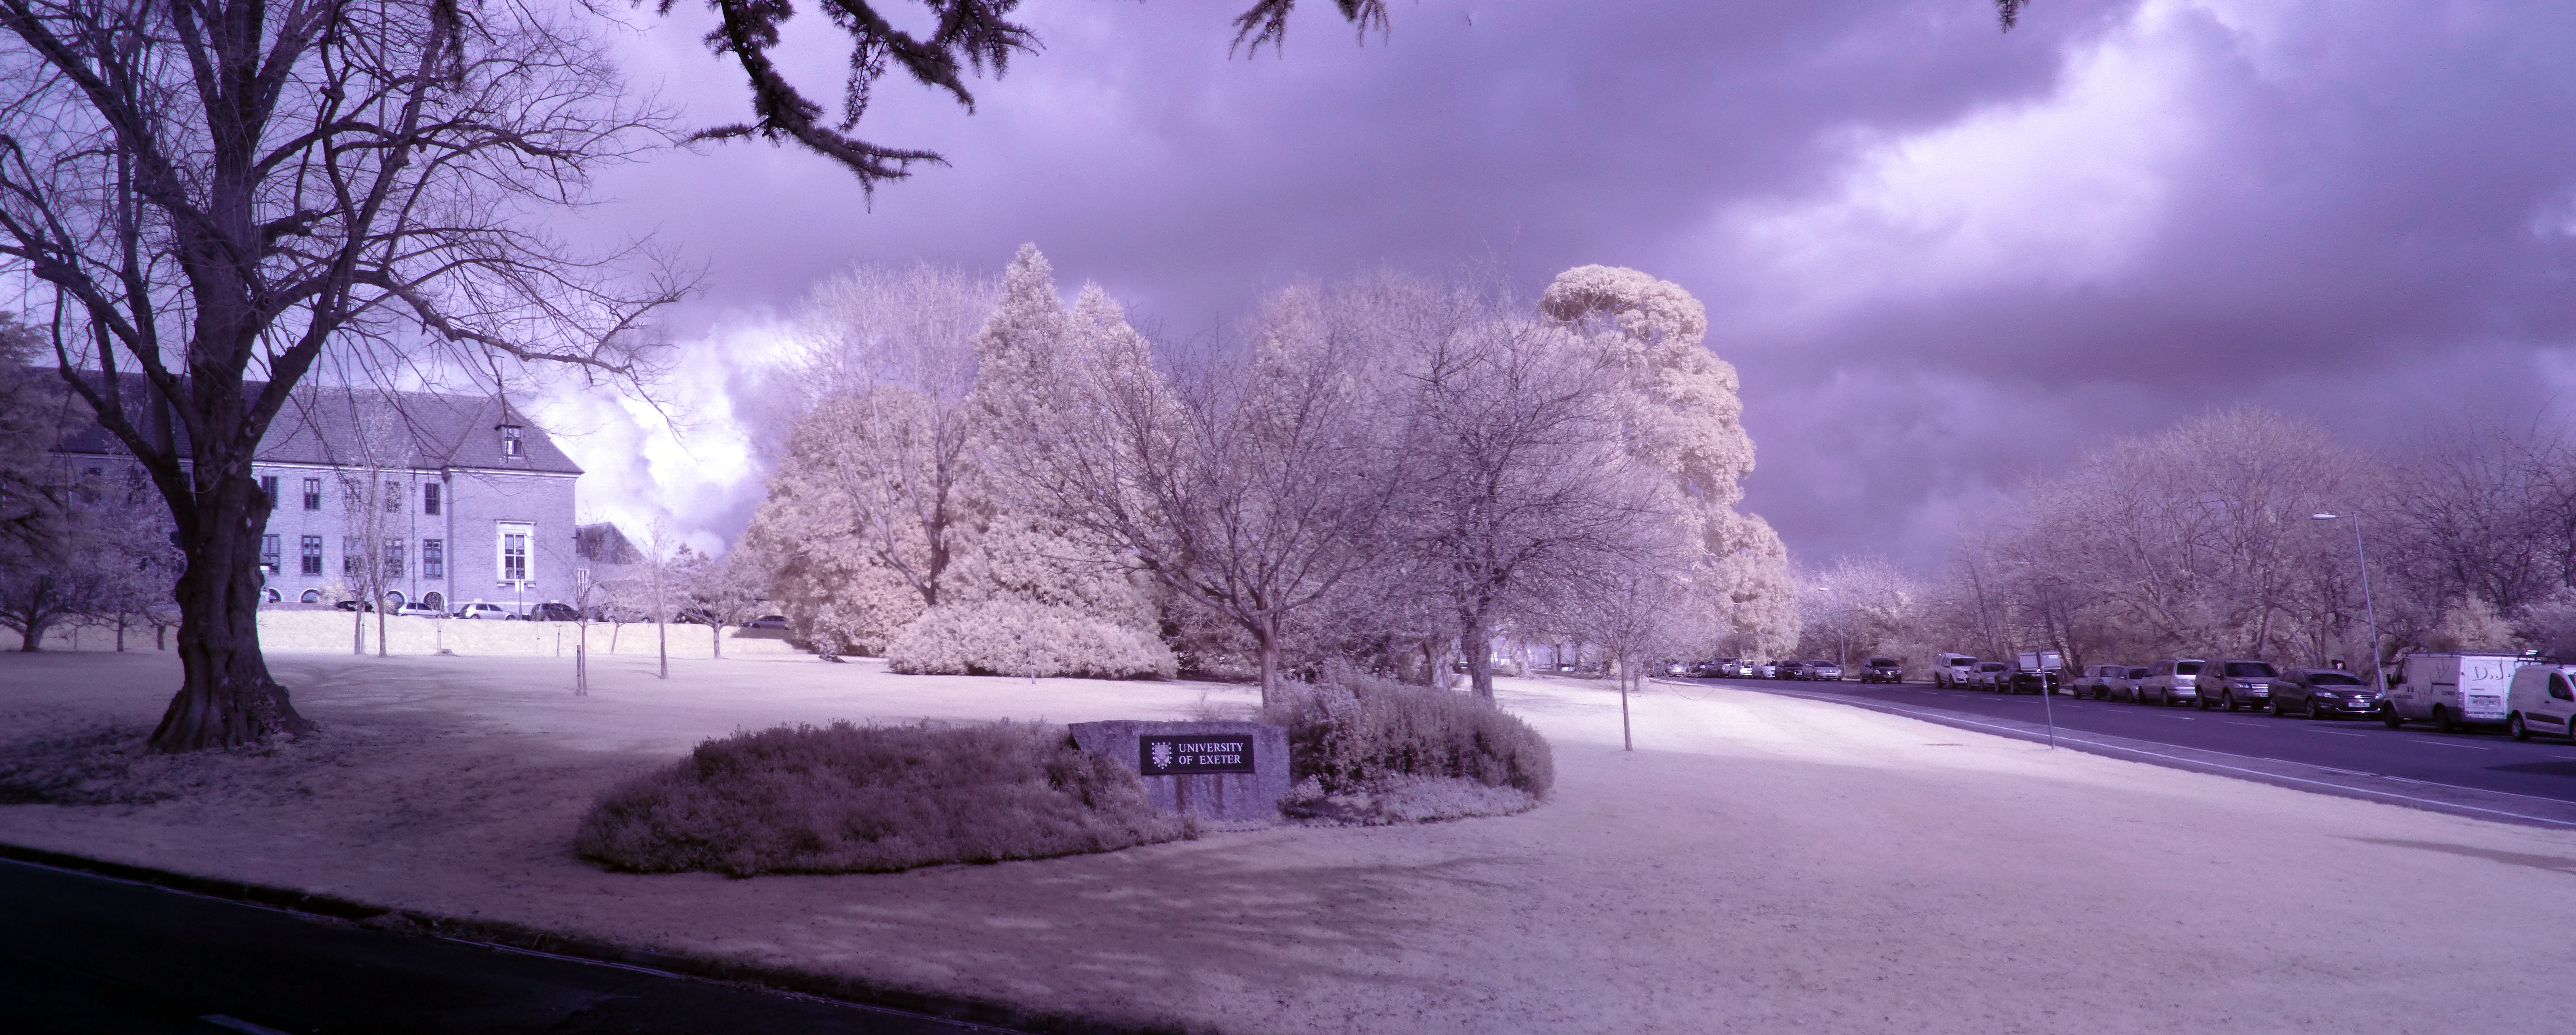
{"x": 273, "y": 596}
{"x": 393, "y": 599}
{"x": 435, "y": 601}
{"x": 312, "y": 596}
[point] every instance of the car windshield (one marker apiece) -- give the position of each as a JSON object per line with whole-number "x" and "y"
{"x": 1881, "y": 662}
{"x": 2186, "y": 668}
{"x": 2333, "y": 679}
{"x": 1991, "y": 666}
{"x": 2242, "y": 669}
{"x": 2140, "y": 673}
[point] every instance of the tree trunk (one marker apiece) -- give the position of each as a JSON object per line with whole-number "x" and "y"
{"x": 1266, "y": 633}
{"x": 226, "y": 697}
{"x": 662, "y": 642}
{"x": 358, "y": 628}
{"x": 380, "y": 626}
{"x": 1626, "y": 742}
{"x": 1476, "y": 640}
{"x": 715, "y": 635}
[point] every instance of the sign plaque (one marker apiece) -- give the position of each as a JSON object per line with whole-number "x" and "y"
{"x": 1193, "y": 755}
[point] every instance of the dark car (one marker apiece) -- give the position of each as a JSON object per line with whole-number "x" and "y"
{"x": 1789, "y": 670}
{"x": 2238, "y": 683}
{"x": 553, "y": 611}
{"x": 2323, "y": 693}
{"x": 2033, "y": 681}
{"x": 1882, "y": 670}
{"x": 780, "y": 622}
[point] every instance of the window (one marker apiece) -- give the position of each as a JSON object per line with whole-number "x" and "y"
{"x": 312, "y": 549}
{"x": 433, "y": 558}
{"x": 393, "y": 556}
{"x": 313, "y": 499}
{"x": 513, "y": 445}
{"x": 428, "y": 504}
{"x": 2559, "y": 689}
{"x": 435, "y": 601}
{"x": 514, "y": 553}
{"x": 268, "y": 550}
{"x": 353, "y": 554}
{"x": 268, "y": 492}
{"x": 353, "y": 493}
{"x": 313, "y": 596}
{"x": 393, "y": 496}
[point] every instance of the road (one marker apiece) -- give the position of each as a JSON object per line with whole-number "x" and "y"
{"x": 2491, "y": 764}
{"x": 85, "y": 954}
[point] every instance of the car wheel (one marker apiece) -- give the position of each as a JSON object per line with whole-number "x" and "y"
{"x": 2389, "y": 717}
{"x": 2274, "y": 707}
{"x": 2203, "y": 702}
{"x": 2442, "y": 720}
{"x": 2513, "y": 725}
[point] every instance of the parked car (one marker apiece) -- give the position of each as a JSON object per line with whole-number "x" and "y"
{"x": 2099, "y": 682}
{"x": 1791, "y": 669}
{"x": 1988, "y": 675}
{"x": 481, "y": 610}
{"x": 1824, "y": 671}
{"x": 2172, "y": 681}
{"x": 1739, "y": 668}
{"x": 1761, "y": 670}
{"x": 2237, "y": 683}
{"x": 2036, "y": 673}
{"x": 1952, "y": 669}
{"x": 2127, "y": 688}
{"x": 554, "y": 611}
{"x": 2542, "y": 700}
{"x": 2323, "y": 693}
{"x": 418, "y": 610}
{"x": 780, "y": 622}
{"x": 354, "y": 605}
{"x": 2452, "y": 690}
{"x": 1882, "y": 670}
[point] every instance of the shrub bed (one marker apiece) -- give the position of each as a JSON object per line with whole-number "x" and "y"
{"x": 1353, "y": 733}
{"x": 1015, "y": 638}
{"x": 872, "y": 799}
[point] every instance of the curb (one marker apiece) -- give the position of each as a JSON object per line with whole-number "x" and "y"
{"x": 519, "y": 938}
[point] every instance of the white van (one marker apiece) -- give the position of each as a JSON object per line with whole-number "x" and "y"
{"x": 2543, "y": 700}
{"x": 2451, "y": 690}
{"x": 1952, "y": 669}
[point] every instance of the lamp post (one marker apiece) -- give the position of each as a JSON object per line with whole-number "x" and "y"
{"x": 2047, "y": 694}
{"x": 1842, "y": 633}
{"x": 2378, "y": 679}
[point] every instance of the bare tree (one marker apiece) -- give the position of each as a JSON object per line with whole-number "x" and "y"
{"x": 1253, "y": 502}
{"x": 1525, "y": 484}
{"x": 215, "y": 194}
{"x": 723, "y": 590}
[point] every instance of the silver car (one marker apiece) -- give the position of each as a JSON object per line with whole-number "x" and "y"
{"x": 1824, "y": 671}
{"x": 2172, "y": 681}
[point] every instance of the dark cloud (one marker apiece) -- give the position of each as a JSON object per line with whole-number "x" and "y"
{"x": 1939, "y": 254}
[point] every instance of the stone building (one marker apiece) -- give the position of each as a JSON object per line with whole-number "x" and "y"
{"x": 427, "y": 497}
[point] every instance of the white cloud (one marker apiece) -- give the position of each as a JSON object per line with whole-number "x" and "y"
{"x": 693, "y": 467}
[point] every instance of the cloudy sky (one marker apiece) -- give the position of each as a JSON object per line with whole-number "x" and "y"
{"x": 1941, "y": 256}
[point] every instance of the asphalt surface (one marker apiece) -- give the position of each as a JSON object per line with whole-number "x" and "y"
{"x": 2499, "y": 769}
{"x": 87, "y": 954}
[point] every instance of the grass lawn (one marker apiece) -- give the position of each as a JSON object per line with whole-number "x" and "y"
{"x": 1759, "y": 864}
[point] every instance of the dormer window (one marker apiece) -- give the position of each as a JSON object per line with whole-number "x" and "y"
{"x": 513, "y": 442}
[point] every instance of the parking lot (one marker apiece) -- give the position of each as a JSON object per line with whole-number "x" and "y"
{"x": 2543, "y": 767}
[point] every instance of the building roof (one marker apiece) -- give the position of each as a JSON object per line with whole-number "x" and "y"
{"x": 336, "y": 426}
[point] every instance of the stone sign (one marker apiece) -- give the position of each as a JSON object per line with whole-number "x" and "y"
{"x": 1215, "y": 770}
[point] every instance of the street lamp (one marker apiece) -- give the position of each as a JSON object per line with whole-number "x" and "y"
{"x": 2047, "y": 694}
{"x": 2379, "y": 679}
